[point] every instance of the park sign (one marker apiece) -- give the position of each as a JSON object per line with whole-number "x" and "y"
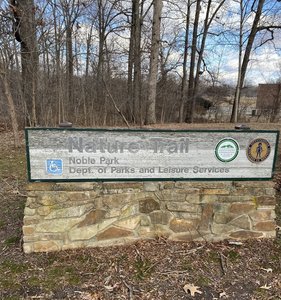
{"x": 72, "y": 154}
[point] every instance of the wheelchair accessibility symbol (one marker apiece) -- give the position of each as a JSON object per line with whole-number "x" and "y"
{"x": 54, "y": 166}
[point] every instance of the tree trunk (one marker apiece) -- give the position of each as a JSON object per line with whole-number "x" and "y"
{"x": 184, "y": 65}
{"x": 234, "y": 118}
{"x": 87, "y": 83}
{"x": 207, "y": 22}
{"x": 195, "y": 74}
{"x": 101, "y": 52}
{"x": 131, "y": 59}
{"x": 25, "y": 34}
{"x": 190, "y": 112}
{"x": 58, "y": 92}
{"x": 69, "y": 70}
{"x": 11, "y": 106}
{"x": 137, "y": 83}
{"x": 246, "y": 59}
{"x": 152, "y": 81}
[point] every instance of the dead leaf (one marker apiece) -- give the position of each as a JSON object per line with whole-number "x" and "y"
{"x": 223, "y": 294}
{"x": 192, "y": 289}
{"x": 269, "y": 270}
{"x": 265, "y": 287}
{"x": 87, "y": 296}
{"x": 110, "y": 288}
{"x": 107, "y": 279}
{"x": 237, "y": 243}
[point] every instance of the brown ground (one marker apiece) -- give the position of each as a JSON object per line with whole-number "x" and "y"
{"x": 155, "y": 269}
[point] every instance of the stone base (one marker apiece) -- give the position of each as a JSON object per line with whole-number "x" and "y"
{"x": 61, "y": 216}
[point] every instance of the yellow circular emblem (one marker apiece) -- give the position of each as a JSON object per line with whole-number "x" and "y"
{"x": 258, "y": 150}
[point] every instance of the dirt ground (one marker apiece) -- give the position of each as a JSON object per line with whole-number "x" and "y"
{"x": 152, "y": 269}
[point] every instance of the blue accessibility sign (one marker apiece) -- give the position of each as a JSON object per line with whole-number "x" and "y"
{"x": 54, "y": 166}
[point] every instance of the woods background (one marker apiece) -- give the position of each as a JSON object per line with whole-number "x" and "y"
{"x": 106, "y": 62}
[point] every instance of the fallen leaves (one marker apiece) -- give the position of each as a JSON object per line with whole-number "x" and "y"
{"x": 269, "y": 270}
{"x": 191, "y": 289}
{"x": 88, "y": 296}
{"x": 223, "y": 294}
{"x": 110, "y": 287}
{"x": 265, "y": 287}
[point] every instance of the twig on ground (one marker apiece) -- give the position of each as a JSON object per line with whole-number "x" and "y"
{"x": 237, "y": 243}
{"x": 173, "y": 272}
{"x": 152, "y": 266}
{"x": 15, "y": 190}
{"x": 223, "y": 263}
{"x": 189, "y": 251}
{"x": 130, "y": 289}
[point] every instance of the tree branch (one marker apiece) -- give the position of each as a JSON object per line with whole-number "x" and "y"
{"x": 269, "y": 27}
{"x": 267, "y": 40}
{"x": 114, "y": 104}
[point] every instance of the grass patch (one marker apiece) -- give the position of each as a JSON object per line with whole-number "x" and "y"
{"x": 9, "y": 284}
{"x": 203, "y": 281}
{"x": 186, "y": 265}
{"x": 13, "y": 163}
{"x": 233, "y": 255}
{"x": 12, "y": 240}
{"x": 2, "y": 224}
{"x": 13, "y": 275}
{"x": 213, "y": 256}
{"x": 143, "y": 268}
{"x": 57, "y": 275}
{"x": 33, "y": 281}
{"x": 261, "y": 294}
{"x": 9, "y": 266}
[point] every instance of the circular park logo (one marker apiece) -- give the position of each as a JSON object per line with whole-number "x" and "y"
{"x": 227, "y": 150}
{"x": 258, "y": 150}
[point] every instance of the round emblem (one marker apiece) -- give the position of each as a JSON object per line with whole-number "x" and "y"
{"x": 258, "y": 150}
{"x": 227, "y": 150}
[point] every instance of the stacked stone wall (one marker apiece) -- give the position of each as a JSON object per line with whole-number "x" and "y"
{"x": 62, "y": 216}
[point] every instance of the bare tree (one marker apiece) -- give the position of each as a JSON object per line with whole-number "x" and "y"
{"x": 257, "y": 8}
{"x": 153, "y": 71}
{"x": 11, "y": 105}
{"x": 134, "y": 64}
{"x": 25, "y": 33}
{"x": 71, "y": 11}
{"x": 75, "y": 57}
{"x": 189, "y": 114}
{"x": 184, "y": 64}
{"x": 196, "y": 61}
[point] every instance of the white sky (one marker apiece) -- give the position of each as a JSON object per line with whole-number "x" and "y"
{"x": 264, "y": 67}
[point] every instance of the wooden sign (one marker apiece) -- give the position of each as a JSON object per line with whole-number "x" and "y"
{"x": 58, "y": 154}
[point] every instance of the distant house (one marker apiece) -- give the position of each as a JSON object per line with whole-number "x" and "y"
{"x": 269, "y": 96}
